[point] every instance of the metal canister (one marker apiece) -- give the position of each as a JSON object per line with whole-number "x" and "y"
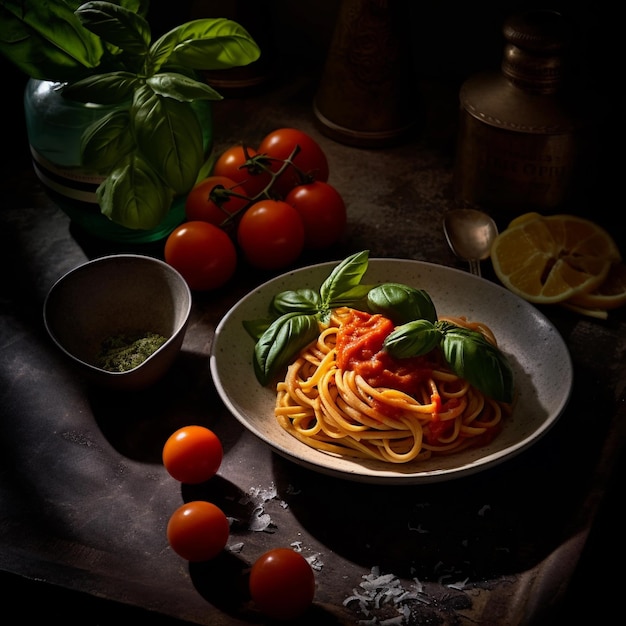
{"x": 524, "y": 141}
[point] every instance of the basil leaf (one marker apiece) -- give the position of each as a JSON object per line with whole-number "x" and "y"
{"x": 401, "y": 303}
{"x": 47, "y": 41}
{"x": 298, "y": 300}
{"x": 344, "y": 277}
{"x": 133, "y": 195}
{"x": 169, "y": 136}
{"x": 256, "y": 328}
{"x": 412, "y": 339}
{"x": 483, "y": 365}
{"x": 205, "y": 44}
{"x": 117, "y": 25}
{"x": 106, "y": 141}
{"x": 110, "y": 88}
{"x": 279, "y": 344}
{"x": 181, "y": 87}
{"x": 356, "y": 297}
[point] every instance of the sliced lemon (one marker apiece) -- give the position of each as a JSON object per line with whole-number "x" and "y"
{"x": 551, "y": 259}
{"x": 601, "y": 314}
{"x": 610, "y": 294}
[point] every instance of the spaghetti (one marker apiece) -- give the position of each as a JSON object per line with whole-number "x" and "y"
{"x": 344, "y": 395}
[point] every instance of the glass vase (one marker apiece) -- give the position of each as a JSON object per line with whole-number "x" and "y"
{"x": 55, "y": 126}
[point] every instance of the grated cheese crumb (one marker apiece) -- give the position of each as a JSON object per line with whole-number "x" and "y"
{"x": 315, "y": 562}
{"x": 385, "y": 593}
{"x": 259, "y": 520}
{"x": 418, "y": 528}
{"x": 458, "y": 585}
{"x": 235, "y": 547}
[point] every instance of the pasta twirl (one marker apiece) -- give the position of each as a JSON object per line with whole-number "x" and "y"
{"x": 372, "y": 406}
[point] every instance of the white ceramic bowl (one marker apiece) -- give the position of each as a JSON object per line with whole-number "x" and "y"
{"x": 541, "y": 363}
{"x": 113, "y": 295}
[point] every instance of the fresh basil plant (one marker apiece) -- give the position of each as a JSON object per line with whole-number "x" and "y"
{"x": 297, "y": 314}
{"x": 152, "y": 147}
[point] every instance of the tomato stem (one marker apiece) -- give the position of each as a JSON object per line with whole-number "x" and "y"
{"x": 220, "y": 194}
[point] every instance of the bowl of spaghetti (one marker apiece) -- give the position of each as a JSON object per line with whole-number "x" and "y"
{"x": 428, "y": 424}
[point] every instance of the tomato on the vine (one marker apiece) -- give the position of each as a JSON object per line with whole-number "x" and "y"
{"x": 322, "y": 210}
{"x": 203, "y": 253}
{"x": 271, "y": 234}
{"x": 232, "y": 164}
{"x": 192, "y": 454}
{"x": 198, "y": 531}
{"x": 208, "y": 202}
{"x": 311, "y": 159}
{"x": 282, "y": 584}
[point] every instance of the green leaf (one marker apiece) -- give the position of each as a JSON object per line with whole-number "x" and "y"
{"x": 134, "y": 196}
{"x": 106, "y": 141}
{"x": 182, "y": 88}
{"x": 355, "y": 297}
{"x": 401, "y": 303}
{"x": 47, "y": 41}
{"x": 117, "y": 25}
{"x": 472, "y": 357}
{"x": 110, "y": 88}
{"x": 344, "y": 277}
{"x": 299, "y": 300}
{"x": 280, "y": 343}
{"x": 205, "y": 44}
{"x": 169, "y": 136}
{"x": 256, "y": 328}
{"x": 412, "y": 339}
{"x": 136, "y": 6}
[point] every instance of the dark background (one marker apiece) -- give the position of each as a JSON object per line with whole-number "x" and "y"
{"x": 449, "y": 41}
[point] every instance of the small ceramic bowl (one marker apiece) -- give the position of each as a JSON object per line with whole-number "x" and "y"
{"x": 123, "y": 295}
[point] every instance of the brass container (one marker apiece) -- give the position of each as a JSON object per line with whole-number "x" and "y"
{"x": 523, "y": 136}
{"x": 366, "y": 94}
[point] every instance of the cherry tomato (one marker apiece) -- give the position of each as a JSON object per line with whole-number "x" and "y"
{"x": 271, "y": 234}
{"x": 311, "y": 159}
{"x": 322, "y": 210}
{"x": 205, "y": 203}
{"x": 198, "y": 530}
{"x": 231, "y": 164}
{"x": 192, "y": 454}
{"x": 203, "y": 253}
{"x": 282, "y": 584}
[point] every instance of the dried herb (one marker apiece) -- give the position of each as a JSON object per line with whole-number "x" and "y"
{"x": 121, "y": 353}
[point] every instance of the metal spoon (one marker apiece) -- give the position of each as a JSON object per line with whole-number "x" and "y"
{"x": 470, "y": 234}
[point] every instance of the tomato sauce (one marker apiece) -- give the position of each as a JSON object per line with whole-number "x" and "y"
{"x": 360, "y": 349}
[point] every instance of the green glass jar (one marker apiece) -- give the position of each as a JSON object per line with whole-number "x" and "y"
{"x": 55, "y": 126}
